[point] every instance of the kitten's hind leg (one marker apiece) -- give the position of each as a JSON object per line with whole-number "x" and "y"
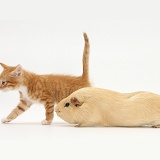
{"x": 21, "y": 107}
{"x": 49, "y": 107}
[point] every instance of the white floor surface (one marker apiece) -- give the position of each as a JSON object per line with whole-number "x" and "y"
{"x": 30, "y": 140}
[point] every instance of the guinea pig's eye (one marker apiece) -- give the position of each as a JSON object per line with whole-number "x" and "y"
{"x": 66, "y": 105}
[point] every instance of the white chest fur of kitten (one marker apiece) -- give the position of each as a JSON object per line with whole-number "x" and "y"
{"x": 24, "y": 91}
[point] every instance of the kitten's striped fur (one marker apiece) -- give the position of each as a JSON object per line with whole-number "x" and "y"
{"x": 44, "y": 89}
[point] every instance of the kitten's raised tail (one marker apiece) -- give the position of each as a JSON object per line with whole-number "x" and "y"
{"x": 86, "y": 52}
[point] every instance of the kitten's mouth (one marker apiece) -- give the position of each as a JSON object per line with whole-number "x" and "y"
{"x": 4, "y": 90}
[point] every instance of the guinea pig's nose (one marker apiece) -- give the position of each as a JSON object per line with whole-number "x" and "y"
{"x": 57, "y": 111}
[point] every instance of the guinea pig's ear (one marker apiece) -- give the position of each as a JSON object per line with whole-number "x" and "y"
{"x": 75, "y": 101}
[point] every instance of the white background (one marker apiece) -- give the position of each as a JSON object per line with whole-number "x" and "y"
{"x": 47, "y": 37}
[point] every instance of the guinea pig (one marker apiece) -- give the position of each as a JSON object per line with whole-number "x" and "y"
{"x": 101, "y": 107}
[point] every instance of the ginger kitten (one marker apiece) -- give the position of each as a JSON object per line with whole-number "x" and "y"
{"x": 44, "y": 89}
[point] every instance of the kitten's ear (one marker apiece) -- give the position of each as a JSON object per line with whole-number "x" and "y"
{"x": 17, "y": 71}
{"x": 3, "y": 65}
{"x": 76, "y": 102}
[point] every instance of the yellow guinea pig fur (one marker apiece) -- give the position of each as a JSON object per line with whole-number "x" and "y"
{"x": 100, "y": 107}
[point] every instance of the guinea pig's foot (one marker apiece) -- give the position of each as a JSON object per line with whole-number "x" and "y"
{"x": 156, "y": 126}
{"x": 45, "y": 122}
{"x": 81, "y": 125}
{"x": 5, "y": 120}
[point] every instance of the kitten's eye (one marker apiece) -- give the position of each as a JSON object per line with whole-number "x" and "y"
{"x": 67, "y": 105}
{"x": 3, "y": 83}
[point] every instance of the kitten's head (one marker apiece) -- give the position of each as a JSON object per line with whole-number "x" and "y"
{"x": 10, "y": 78}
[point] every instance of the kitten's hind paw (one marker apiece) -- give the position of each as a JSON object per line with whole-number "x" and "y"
{"x": 45, "y": 122}
{"x": 5, "y": 120}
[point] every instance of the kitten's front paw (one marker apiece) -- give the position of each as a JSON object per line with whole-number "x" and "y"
{"x": 45, "y": 122}
{"x": 5, "y": 120}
